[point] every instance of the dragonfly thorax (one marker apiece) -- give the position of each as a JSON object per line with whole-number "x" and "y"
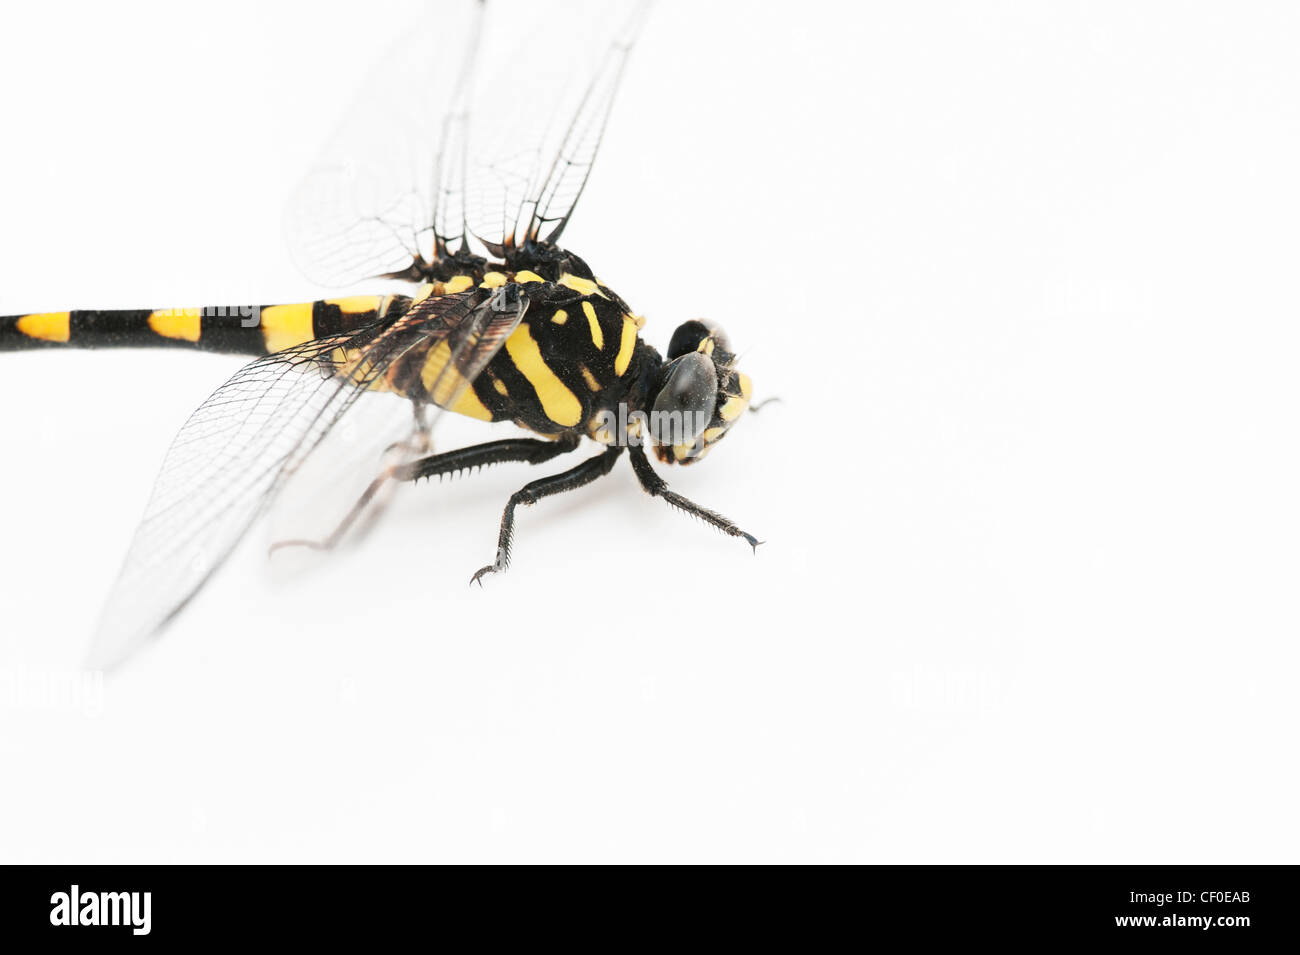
{"x": 576, "y": 363}
{"x": 574, "y": 359}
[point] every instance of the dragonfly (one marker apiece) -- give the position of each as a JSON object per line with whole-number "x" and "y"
{"x": 464, "y": 203}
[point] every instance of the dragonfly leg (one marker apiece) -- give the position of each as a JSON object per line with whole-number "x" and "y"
{"x": 656, "y": 486}
{"x": 329, "y": 542}
{"x": 418, "y": 444}
{"x": 531, "y": 450}
{"x": 534, "y": 491}
{"x": 420, "y": 440}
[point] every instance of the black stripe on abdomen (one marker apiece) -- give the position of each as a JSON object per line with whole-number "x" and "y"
{"x": 238, "y": 329}
{"x": 232, "y": 329}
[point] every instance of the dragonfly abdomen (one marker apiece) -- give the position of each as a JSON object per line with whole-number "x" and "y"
{"x": 233, "y": 329}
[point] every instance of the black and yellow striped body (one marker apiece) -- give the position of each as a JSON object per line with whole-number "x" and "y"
{"x": 576, "y": 352}
{"x": 236, "y": 329}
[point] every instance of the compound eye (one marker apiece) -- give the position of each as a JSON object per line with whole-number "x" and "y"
{"x": 685, "y": 403}
{"x": 687, "y": 338}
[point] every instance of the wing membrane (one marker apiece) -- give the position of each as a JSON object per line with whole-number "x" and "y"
{"x": 232, "y": 456}
{"x": 367, "y": 206}
{"x": 466, "y": 142}
{"x": 425, "y": 167}
{"x": 567, "y": 177}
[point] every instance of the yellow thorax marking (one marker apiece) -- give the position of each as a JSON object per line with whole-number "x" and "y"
{"x": 557, "y": 401}
{"x": 525, "y": 277}
{"x": 597, "y": 336}
{"x": 286, "y": 325}
{"x": 493, "y": 280}
{"x": 580, "y": 285}
{"x": 589, "y": 378}
{"x": 47, "y": 326}
{"x": 442, "y": 383}
{"x": 560, "y": 316}
{"x": 182, "y": 323}
{"x": 457, "y": 283}
{"x": 626, "y": 343}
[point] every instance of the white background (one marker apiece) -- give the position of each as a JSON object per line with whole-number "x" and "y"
{"x": 1024, "y": 275}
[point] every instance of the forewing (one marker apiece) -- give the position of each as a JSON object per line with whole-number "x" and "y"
{"x": 394, "y": 164}
{"x": 469, "y": 345}
{"x": 237, "y": 449}
{"x": 567, "y": 175}
{"x": 480, "y": 126}
{"x": 547, "y": 87}
{"x": 378, "y": 433}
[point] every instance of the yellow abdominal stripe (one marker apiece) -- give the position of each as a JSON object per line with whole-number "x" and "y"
{"x": 286, "y": 325}
{"x": 356, "y": 304}
{"x": 47, "y": 326}
{"x": 180, "y": 323}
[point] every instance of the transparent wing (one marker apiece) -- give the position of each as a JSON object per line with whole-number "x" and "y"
{"x": 367, "y": 206}
{"x": 477, "y": 131}
{"x": 376, "y": 432}
{"x": 232, "y": 456}
{"x": 538, "y": 188}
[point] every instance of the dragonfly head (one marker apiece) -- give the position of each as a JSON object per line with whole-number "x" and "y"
{"x": 698, "y": 395}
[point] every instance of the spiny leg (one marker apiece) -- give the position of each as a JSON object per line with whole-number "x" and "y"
{"x": 656, "y": 486}
{"x": 531, "y": 450}
{"x": 534, "y": 491}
